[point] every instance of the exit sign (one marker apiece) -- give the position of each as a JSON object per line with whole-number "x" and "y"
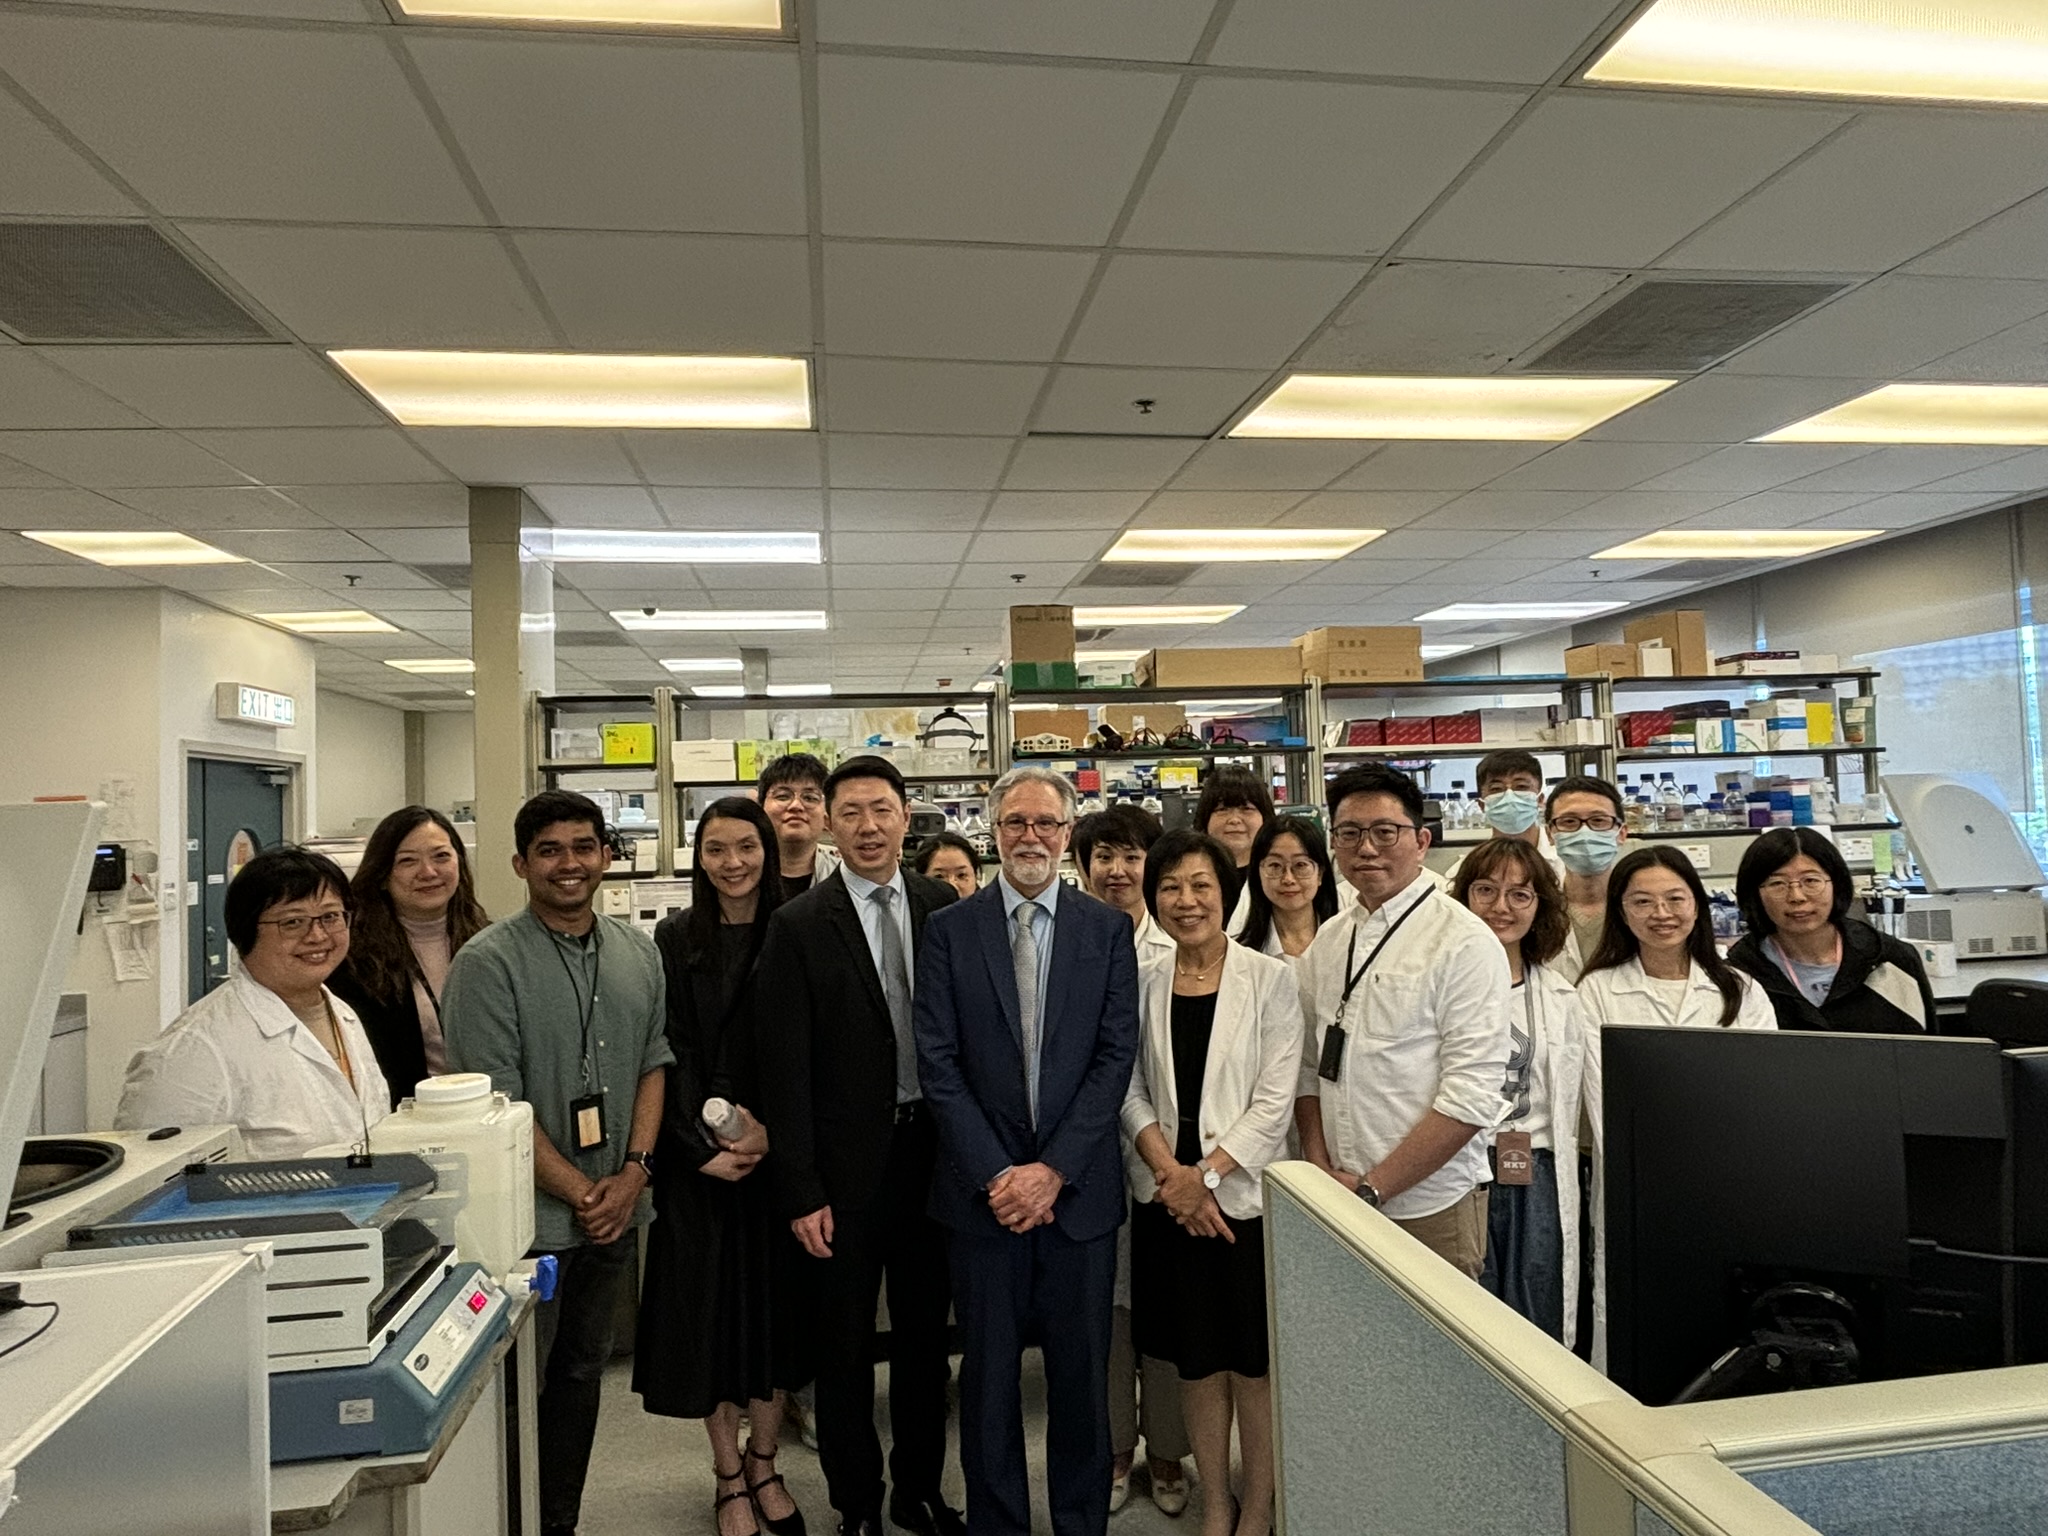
{"x": 254, "y": 706}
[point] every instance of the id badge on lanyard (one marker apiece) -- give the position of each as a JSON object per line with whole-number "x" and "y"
{"x": 1331, "y": 1067}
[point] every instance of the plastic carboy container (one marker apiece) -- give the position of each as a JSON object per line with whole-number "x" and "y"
{"x": 480, "y": 1143}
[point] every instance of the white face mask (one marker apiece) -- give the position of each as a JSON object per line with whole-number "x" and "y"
{"x": 1512, "y": 811}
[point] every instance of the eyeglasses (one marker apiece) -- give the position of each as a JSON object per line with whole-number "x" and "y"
{"x": 1383, "y": 834}
{"x": 783, "y": 794}
{"x": 1044, "y": 828}
{"x": 1643, "y": 906}
{"x": 1303, "y": 870}
{"x": 1486, "y": 893}
{"x": 1575, "y": 823}
{"x": 1805, "y": 885}
{"x": 291, "y": 928}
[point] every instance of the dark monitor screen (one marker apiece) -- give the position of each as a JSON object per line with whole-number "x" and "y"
{"x": 1738, "y": 1161}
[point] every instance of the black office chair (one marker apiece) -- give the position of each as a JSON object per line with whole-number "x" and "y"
{"x": 2014, "y": 1013}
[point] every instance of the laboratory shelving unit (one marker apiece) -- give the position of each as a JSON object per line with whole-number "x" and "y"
{"x": 549, "y": 712}
{"x": 1580, "y": 697}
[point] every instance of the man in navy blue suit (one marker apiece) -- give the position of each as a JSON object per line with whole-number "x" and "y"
{"x": 1027, "y": 1024}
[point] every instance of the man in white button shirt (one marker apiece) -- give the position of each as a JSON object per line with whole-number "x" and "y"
{"x": 1406, "y": 995}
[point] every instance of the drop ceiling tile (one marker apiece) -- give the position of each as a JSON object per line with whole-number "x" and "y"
{"x": 1052, "y": 463}
{"x": 2023, "y": 472}
{"x": 887, "y": 548}
{"x": 934, "y": 301}
{"x": 1550, "y": 545}
{"x": 1557, "y": 193}
{"x": 1900, "y": 468}
{"x": 380, "y": 287}
{"x": 2009, "y": 244}
{"x": 938, "y": 150}
{"x": 116, "y": 458}
{"x": 417, "y": 607}
{"x": 907, "y": 511}
{"x": 1362, "y": 509}
{"x": 15, "y": 475}
{"x": 863, "y": 394}
{"x": 1208, "y": 311}
{"x": 1893, "y": 325}
{"x": 1908, "y": 509}
{"x": 998, "y": 576}
{"x": 69, "y": 509}
{"x": 1040, "y": 545}
{"x": 1165, "y": 30}
{"x": 35, "y": 392}
{"x": 519, "y": 456}
{"x": 298, "y": 545}
{"x": 1584, "y": 466}
{"x": 862, "y": 461}
{"x": 616, "y": 134}
{"x": 1216, "y": 509}
{"x": 378, "y": 581}
{"x": 385, "y": 506}
{"x": 1723, "y": 407}
{"x": 1431, "y": 544}
{"x": 1362, "y": 163}
{"x": 1513, "y": 40}
{"x": 243, "y": 122}
{"x": 1436, "y": 466}
{"x": 216, "y": 507}
{"x": 1252, "y": 464}
{"x": 1881, "y": 192}
{"x": 15, "y": 550}
{"x": 80, "y": 573}
{"x": 312, "y": 455}
{"x": 2017, "y": 355}
{"x": 1177, "y": 402}
{"x": 42, "y": 175}
{"x": 742, "y": 510}
{"x": 598, "y": 506}
{"x": 675, "y": 293}
{"x": 1453, "y": 316}
{"x": 889, "y": 584}
{"x": 421, "y": 546}
{"x": 766, "y": 459}
{"x": 1510, "y": 510}
{"x": 1638, "y": 510}
{"x": 1749, "y": 467}
{"x": 1024, "y": 511}
{"x": 201, "y": 386}
{"x": 1776, "y": 509}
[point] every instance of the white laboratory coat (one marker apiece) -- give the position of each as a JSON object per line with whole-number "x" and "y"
{"x": 1248, "y": 1081}
{"x": 1560, "y": 1045}
{"x": 239, "y": 1056}
{"x": 1152, "y": 939}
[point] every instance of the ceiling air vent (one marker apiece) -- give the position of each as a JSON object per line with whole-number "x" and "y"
{"x": 110, "y": 282}
{"x": 1678, "y": 326}
{"x": 454, "y": 577}
{"x": 1138, "y": 573}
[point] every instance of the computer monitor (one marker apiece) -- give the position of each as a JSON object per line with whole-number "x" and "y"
{"x": 1738, "y": 1162}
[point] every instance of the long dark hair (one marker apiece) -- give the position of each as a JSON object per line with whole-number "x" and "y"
{"x": 700, "y": 927}
{"x": 1551, "y": 926}
{"x": 1258, "y": 921}
{"x": 1618, "y": 944}
{"x": 379, "y": 954}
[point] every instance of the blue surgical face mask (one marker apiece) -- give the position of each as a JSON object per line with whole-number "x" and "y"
{"x": 1512, "y": 810}
{"x": 1587, "y": 852}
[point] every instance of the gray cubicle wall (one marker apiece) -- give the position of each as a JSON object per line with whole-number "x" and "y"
{"x": 1996, "y": 1489}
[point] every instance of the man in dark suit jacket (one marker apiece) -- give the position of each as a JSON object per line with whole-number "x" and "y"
{"x": 855, "y": 1147}
{"x": 1027, "y": 1025}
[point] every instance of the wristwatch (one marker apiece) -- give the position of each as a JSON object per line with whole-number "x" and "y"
{"x": 1211, "y": 1179}
{"x": 1368, "y": 1194}
{"x": 644, "y": 1159}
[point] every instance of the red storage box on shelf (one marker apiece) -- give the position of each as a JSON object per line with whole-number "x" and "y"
{"x": 1455, "y": 730}
{"x": 1088, "y": 780}
{"x": 1640, "y": 726}
{"x": 1364, "y": 733}
{"x": 1409, "y": 731}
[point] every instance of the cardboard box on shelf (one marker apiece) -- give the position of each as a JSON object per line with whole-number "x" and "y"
{"x": 710, "y": 760}
{"x": 1263, "y": 666}
{"x": 1590, "y": 660}
{"x": 628, "y": 741}
{"x": 1683, "y": 630}
{"x": 1381, "y": 654}
{"x": 1070, "y": 723}
{"x": 1042, "y": 632}
{"x": 1160, "y": 719}
{"x": 1655, "y": 660}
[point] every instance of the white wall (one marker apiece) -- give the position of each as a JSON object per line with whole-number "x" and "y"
{"x": 451, "y": 759}
{"x": 360, "y": 762}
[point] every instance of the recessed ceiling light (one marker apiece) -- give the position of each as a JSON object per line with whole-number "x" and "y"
{"x": 435, "y": 666}
{"x": 713, "y": 15}
{"x": 704, "y": 664}
{"x": 330, "y": 621}
{"x": 719, "y": 619}
{"x": 132, "y": 548}
{"x": 1948, "y": 50}
{"x": 576, "y": 389}
{"x": 1169, "y": 613}
{"x": 2015, "y": 414}
{"x": 1468, "y": 613}
{"x": 536, "y": 623}
{"x": 1525, "y": 408}
{"x": 1734, "y": 543}
{"x": 1205, "y": 544}
{"x": 1443, "y": 652}
{"x": 719, "y": 691}
{"x": 799, "y": 690}
{"x": 627, "y": 546}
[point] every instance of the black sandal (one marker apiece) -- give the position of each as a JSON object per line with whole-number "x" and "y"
{"x": 791, "y": 1524}
{"x": 719, "y": 1501}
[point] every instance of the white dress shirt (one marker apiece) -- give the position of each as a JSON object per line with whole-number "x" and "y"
{"x": 1152, "y": 939}
{"x": 240, "y": 1056}
{"x": 1623, "y": 994}
{"x": 1427, "y": 1029}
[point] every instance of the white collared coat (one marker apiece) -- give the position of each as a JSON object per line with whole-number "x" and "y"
{"x": 1561, "y": 1042}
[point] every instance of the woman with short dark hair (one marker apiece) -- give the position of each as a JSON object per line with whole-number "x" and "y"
{"x": 1820, "y": 967}
{"x": 951, "y": 858}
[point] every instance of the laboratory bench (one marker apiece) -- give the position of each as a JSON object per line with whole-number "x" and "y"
{"x": 1952, "y": 993}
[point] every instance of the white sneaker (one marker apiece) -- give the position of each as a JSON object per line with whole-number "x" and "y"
{"x": 1119, "y": 1491}
{"x": 1170, "y": 1494}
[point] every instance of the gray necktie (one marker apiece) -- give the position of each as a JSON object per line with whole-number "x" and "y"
{"x": 896, "y": 992}
{"x": 1024, "y": 957}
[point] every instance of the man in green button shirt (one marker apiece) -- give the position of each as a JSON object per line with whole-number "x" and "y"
{"x": 566, "y": 1009}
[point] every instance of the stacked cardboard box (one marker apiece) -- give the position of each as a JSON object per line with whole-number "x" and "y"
{"x": 1387, "y": 654}
{"x": 1270, "y": 666}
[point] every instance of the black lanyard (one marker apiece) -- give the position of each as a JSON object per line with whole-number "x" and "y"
{"x": 587, "y": 1008}
{"x": 1333, "y": 1038}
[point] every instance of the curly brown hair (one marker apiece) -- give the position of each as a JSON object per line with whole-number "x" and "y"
{"x": 1551, "y": 926}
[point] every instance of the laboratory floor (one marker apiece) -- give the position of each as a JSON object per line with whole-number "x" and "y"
{"x": 652, "y": 1477}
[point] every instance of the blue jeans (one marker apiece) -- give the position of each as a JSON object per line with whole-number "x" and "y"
{"x": 1525, "y": 1246}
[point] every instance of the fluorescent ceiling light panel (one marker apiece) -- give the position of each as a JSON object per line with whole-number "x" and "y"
{"x": 704, "y": 664}
{"x": 435, "y": 666}
{"x": 2015, "y": 414}
{"x": 799, "y": 690}
{"x": 719, "y": 620}
{"x": 711, "y": 15}
{"x": 1473, "y": 613}
{"x": 1496, "y": 408}
{"x": 330, "y": 621}
{"x": 578, "y": 389}
{"x": 1169, "y": 613}
{"x": 132, "y": 548}
{"x": 1735, "y": 543}
{"x": 719, "y": 691}
{"x": 536, "y": 623}
{"x": 1443, "y": 652}
{"x": 1943, "y": 50}
{"x": 627, "y": 546}
{"x": 1205, "y": 544}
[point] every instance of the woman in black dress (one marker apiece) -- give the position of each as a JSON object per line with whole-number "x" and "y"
{"x": 718, "y": 1318}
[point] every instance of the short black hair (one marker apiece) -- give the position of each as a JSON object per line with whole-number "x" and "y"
{"x": 1121, "y": 826}
{"x": 792, "y": 768}
{"x": 1505, "y": 763}
{"x": 549, "y": 807}
{"x": 1771, "y": 853}
{"x": 1230, "y": 785}
{"x": 865, "y": 767}
{"x": 275, "y": 876}
{"x": 953, "y": 840}
{"x": 1375, "y": 779}
{"x": 1179, "y": 844}
{"x": 1582, "y": 784}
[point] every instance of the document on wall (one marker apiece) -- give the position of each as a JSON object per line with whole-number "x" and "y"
{"x": 131, "y": 947}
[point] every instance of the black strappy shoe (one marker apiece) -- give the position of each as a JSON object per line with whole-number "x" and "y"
{"x": 720, "y": 1500}
{"x": 791, "y": 1524}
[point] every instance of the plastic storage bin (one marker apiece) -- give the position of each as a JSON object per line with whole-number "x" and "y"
{"x": 480, "y": 1143}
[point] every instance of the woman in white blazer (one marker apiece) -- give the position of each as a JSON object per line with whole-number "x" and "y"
{"x": 1211, "y": 1096}
{"x": 1532, "y": 1216}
